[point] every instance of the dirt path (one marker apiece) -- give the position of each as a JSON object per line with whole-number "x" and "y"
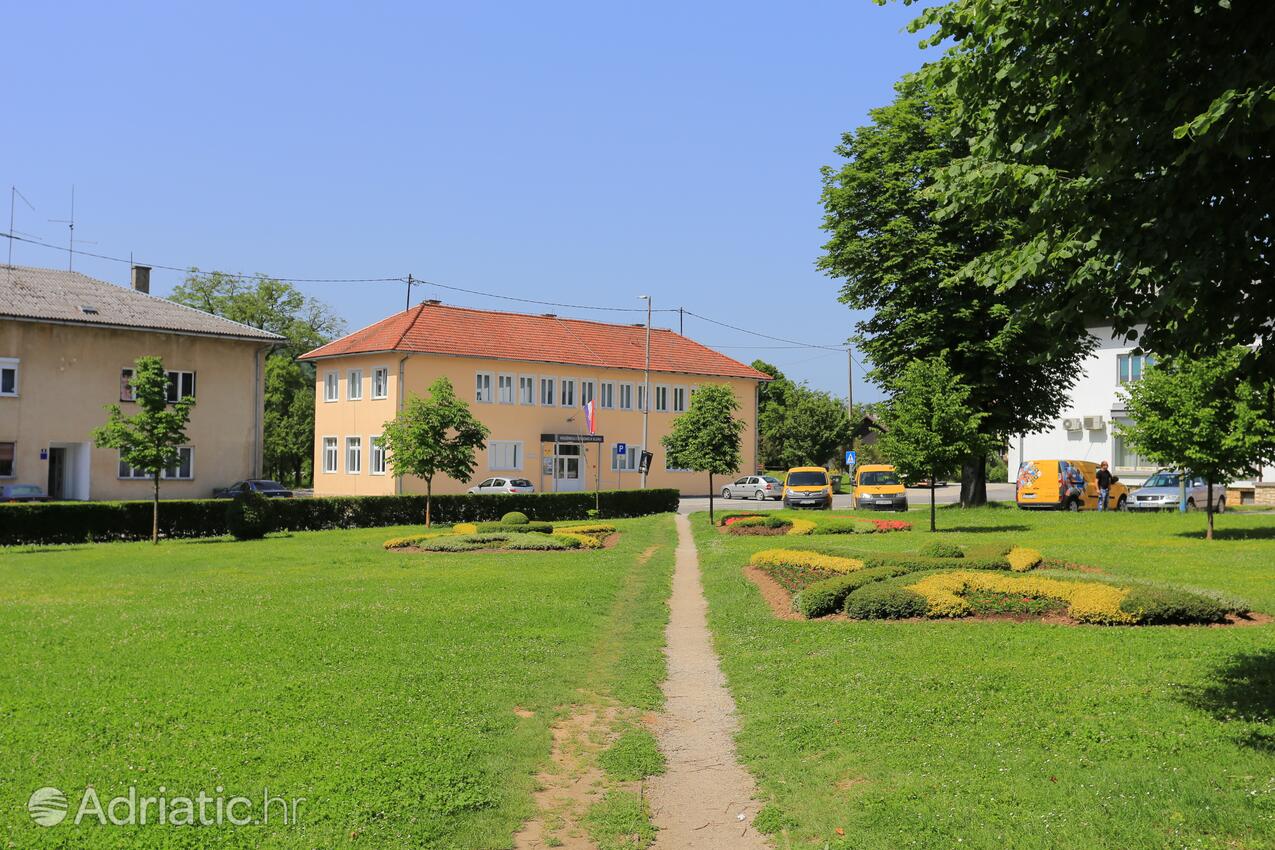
{"x": 705, "y": 799}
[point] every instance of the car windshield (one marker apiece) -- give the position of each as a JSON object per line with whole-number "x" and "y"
{"x": 1163, "y": 479}
{"x": 878, "y": 479}
{"x": 520, "y": 482}
{"x": 807, "y": 479}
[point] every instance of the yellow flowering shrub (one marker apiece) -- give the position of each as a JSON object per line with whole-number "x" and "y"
{"x": 1088, "y": 601}
{"x": 805, "y": 560}
{"x": 802, "y": 526}
{"x": 1021, "y": 559}
{"x": 413, "y": 539}
{"x": 465, "y": 528}
{"x": 587, "y": 541}
{"x": 593, "y": 528}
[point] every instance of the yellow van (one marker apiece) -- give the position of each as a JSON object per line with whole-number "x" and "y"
{"x": 1046, "y": 485}
{"x": 877, "y": 486}
{"x": 807, "y": 487}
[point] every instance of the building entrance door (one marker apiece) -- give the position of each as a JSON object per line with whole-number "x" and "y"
{"x": 567, "y": 469}
{"x": 57, "y": 475}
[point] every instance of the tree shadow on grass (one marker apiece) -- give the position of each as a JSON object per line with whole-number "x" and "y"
{"x": 985, "y": 529}
{"x": 1242, "y": 691}
{"x": 1264, "y": 532}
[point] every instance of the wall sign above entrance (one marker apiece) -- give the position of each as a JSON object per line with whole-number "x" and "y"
{"x": 571, "y": 438}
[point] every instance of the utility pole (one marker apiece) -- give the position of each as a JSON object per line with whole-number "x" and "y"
{"x": 646, "y": 388}
{"x": 409, "y": 292}
{"x": 849, "y": 383}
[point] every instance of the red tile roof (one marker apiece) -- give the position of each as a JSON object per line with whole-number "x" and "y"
{"x": 461, "y": 331}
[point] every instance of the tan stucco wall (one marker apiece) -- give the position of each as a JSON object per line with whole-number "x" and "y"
{"x": 68, "y": 373}
{"x": 364, "y": 418}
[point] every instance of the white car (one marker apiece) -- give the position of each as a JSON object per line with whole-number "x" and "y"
{"x": 504, "y": 485}
{"x": 759, "y": 487}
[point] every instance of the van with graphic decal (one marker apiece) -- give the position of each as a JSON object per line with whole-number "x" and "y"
{"x": 1064, "y": 485}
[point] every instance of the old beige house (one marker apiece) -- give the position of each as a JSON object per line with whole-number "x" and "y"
{"x": 67, "y": 345}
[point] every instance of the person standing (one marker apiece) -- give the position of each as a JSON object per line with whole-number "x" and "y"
{"x": 1104, "y": 480}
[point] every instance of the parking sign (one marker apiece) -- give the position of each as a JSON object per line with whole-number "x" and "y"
{"x": 621, "y": 448}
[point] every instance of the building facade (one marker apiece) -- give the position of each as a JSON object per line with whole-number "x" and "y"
{"x": 67, "y": 347}
{"x": 528, "y": 379}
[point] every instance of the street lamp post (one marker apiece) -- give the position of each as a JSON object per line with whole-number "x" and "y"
{"x": 646, "y": 388}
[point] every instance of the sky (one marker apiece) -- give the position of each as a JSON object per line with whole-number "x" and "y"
{"x": 583, "y": 153}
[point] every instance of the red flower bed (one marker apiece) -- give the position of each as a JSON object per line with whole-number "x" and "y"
{"x": 892, "y": 525}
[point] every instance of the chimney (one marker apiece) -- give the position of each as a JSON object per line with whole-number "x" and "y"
{"x": 142, "y": 279}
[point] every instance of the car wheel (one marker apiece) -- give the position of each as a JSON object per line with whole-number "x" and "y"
{"x": 1073, "y": 505}
{"x": 760, "y": 495}
{"x": 1221, "y": 505}
{"x": 725, "y": 492}
{"x": 1190, "y": 504}
{"x": 1123, "y": 504}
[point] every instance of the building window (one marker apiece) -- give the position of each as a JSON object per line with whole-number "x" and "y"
{"x": 506, "y": 389}
{"x": 381, "y": 382}
{"x": 126, "y": 385}
{"x": 1129, "y": 367}
{"x": 606, "y": 398}
{"x": 482, "y": 387}
{"x": 526, "y": 389}
{"x": 8, "y": 376}
{"x": 546, "y": 391}
{"x": 331, "y": 387}
{"x": 626, "y": 396}
{"x": 568, "y": 392}
{"x": 7, "y": 452}
{"x": 181, "y": 385}
{"x": 627, "y": 462}
{"x": 329, "y": 454}
{"x": 588, "y": 392}
{"x": 354, "y": 385}
{"x": 376, "y": 450}
{"x": 661, "y": 399}
{"x": 641, "y": 397}
{"x": 504, "y": 454}
{"x": 183, "y": 470}
{"x": 1124, "y": 457}
{"x": 353, "y": 455}
{"x": 679, "y": 399}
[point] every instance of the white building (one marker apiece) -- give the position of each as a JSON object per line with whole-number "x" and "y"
{"x": 1087, "y": 430}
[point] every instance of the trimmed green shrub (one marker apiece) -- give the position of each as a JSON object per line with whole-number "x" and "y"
{"x": 879, "y": 601}
{"x": 759, "y": 522}
{"x": 943, "y": 550}
{"x": 74, "y": 522}
{"x": 845, "y": 526}
{"x": 912, "y": 563}
{"x": 514, "y": 518}
{"x": 722, "y": 519}
{"x": 1164, "y": 605}
{"x": 524, "y": 528}
{"x": 828, "y": 596}
{"x": 249, "y": 516}
{"x": 513, "y": 542}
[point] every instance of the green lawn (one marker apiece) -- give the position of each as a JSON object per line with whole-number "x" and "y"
{"x": 996, "y": 735}
{"x": 379, "y": 686}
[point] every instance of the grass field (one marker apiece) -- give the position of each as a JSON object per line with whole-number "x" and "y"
{"x": 1021, "y": 735}
{"x": 379, "y": 686}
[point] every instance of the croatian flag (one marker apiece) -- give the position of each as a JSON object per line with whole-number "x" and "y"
{"x": 589, "y": 416}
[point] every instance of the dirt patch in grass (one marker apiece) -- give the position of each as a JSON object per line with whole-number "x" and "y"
{"x": 779, "y": 599}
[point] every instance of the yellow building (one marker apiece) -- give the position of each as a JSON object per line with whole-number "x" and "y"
{"x": 67, "y": 346}
{"x": 527, "y": 378}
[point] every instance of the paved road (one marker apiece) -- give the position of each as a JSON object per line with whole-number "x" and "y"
{"x": 917, "y": 498}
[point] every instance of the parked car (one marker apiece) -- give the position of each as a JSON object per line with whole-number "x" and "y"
{"x": 1162, "y": 492}
{"x": 264, "y": 486}
{"x": 504, "y": 485}
{"x": 1045, "y": 485}
{"x": 759, "y": 487}
{"x": 22, "y": 493}
{"x": 807, "y": 487}
{"x": 877, "y": 486}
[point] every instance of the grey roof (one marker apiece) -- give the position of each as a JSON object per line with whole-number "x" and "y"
{"x": 55, "y": 295}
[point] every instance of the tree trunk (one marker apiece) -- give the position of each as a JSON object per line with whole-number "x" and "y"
{"x": 974, "y": 481}
{"x": 429, "y": 486}
{"x": 155, "y": 512}
{"x": 710, "y": 498}
{"x": 1208, "y": 534}
{"x": 933, "y": 475}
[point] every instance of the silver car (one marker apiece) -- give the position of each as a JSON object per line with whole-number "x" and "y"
{"x": 504, "y": 485}
{"x": 1162, "y": 492}
{"x": 759, "y": 487}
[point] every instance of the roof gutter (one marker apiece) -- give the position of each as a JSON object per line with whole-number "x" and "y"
{"x": 273, "y": 339}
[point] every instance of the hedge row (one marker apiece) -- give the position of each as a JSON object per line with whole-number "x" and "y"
{"x": 77, "y": 522}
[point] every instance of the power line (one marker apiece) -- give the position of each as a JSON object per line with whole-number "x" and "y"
{"x": 419, "y": 282}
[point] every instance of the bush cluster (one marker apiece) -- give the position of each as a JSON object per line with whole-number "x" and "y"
{"x": 515, "y": 528}
{"x": 1021, "y": 559}
{"x": 514, "y": 518}
{"x": 1165, "y": 605}
{"x": 513, "y": 542}
{"x": 74, "y": 522}
{"x": 879, "y": 601}
{"x": 249, "y": 516}
{"x": 804, "y": 559}
{"x": 802, "y": 527}
{"x": 732, "y": 516}
{"x": 828, "y": 595}
{"x": 1087, "y": 601}
{"x": 942, "y": 550}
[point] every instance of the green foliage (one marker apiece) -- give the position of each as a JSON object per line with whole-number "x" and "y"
{"x": 828, "y": 595}
{"x": 514, "y": 518}
{"x": 434, "y": 435}
{"x": 798, "y": 425}
{"x": 938, "y": 549}
{"x": 884, "y": 602}
{"x": 722, "y": 518}
{"x": 760, "y": 522}
{"x": 523, "y": 527}
{"x": 288, "y": 446}
{"x": 706, "y": 437}
{"x": 1204, "y": 415}
{"x": 249, "y": 516}
{"x": 845, "y": 526}
{"x": 632, "y": 756}
{"x": 1163, "y": 605}
{"x": 929, "y": 423}
{"x": 510, "y": 541}
{"x": 771, "y": 820}
{"x": 621, "y": 820}
{"x": 149, "y": 439}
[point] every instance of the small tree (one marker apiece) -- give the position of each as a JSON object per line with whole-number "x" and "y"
{"x": 1204, "y": 416}
{"x": 706, "y": 437}
{"x": 151, "y": 439}
{"x": 929, "y": 426}
{"x": 434, "y": 435}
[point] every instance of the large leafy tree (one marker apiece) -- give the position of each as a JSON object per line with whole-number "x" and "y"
{"x": 930, "y": 425}
{"x": 899, "y": 260}
{"x": 1128, "y": 148}
{"x": 434, "y": 435}
{"x": 306, "y": 323}
{"x": 1202, "y": 415}
{"x": 798, "y": 425}
{"x": 706, "y": 438}
{"x": 151, "y": 438}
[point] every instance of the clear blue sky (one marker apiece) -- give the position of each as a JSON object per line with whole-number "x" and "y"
{"x": 578, "y": 152}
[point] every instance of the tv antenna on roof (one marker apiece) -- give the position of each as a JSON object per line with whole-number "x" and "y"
{"x": 14, "y": 194}
{"x": 70, "y": 223}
